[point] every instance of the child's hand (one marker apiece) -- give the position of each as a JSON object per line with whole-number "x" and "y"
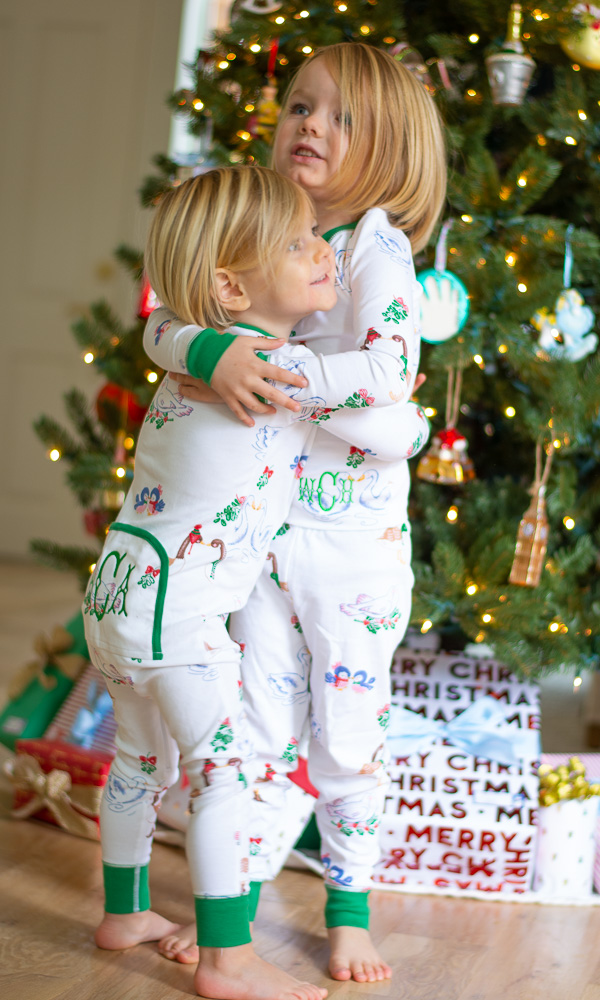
{"x": 195, "y": 388}
{"x": 239, "y": 374}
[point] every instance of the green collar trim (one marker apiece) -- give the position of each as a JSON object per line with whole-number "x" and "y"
{"x": 338, "y": 229}
{"x": 257, "y": 329}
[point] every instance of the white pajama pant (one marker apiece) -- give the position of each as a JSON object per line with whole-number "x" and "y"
{"x": 318, "y": 636}
{"x": 170, "y": 713}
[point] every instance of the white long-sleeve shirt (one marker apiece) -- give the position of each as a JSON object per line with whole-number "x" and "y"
{"x": 208, "y": 495}
{"x": 356, "y": 474}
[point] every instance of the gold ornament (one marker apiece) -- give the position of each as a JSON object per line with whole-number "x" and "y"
{"x": 532, "y": 536}
{"x": 446, "y": 461}
{"x": 582, "y": 44}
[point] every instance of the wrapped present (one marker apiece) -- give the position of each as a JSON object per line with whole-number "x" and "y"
{"x": 86, "y": 718}
{"x": 579, "y": 871}
{"x": 40, "y": 687}
{"x": 465, "y": 747}
{"x": 58, "y": 783}
{"x": 465, "y": 856}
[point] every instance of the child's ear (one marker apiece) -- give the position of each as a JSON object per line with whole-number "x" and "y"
{"x": 229, "y": 290}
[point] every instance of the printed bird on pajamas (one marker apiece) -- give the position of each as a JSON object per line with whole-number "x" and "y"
{"x": 290, "y": 687}
{"x": 377, "y": 607}
{"x": 171, "y": 402}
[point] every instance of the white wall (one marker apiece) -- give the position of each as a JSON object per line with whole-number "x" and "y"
{"x": 83, "y": 87}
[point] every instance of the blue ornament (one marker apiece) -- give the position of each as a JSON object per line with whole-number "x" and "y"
{"x": 444, "y": 305}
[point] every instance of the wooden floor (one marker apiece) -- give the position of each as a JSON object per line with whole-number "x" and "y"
{"x": 439, "y": 948}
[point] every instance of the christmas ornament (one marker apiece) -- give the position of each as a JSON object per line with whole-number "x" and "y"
{"x": 260, "y": 6}
{"x": 413, "y": 60}
{"x": 510, "y": 70}
{"x": 148, "y": 299}
{"x": 113, "y": 397}
{"x": 564, "y": 333}
{"x": 446, "y": 461}
{"x": 532, "y": 536}
{"x": 262, "y": 124}
{"x": 445, "y": 300}
{"x": 582, "y": 44}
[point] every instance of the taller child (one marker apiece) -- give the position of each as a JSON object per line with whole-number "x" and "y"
{"x": 363, "y": 137}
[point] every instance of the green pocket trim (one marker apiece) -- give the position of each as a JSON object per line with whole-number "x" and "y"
{"x": 161, "y": 593}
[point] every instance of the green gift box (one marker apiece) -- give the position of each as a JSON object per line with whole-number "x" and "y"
{"x": 39, "y": 688}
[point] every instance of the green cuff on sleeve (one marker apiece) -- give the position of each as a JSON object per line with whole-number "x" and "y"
{"x": 205, "y": 351}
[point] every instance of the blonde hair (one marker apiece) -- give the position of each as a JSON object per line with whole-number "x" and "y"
{"x": 234, "y": 217}
{"x": 396, "y": 158}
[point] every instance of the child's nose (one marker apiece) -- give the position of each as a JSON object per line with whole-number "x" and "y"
{"x": 323, "y": 252}
{"x": 312, "y": 124}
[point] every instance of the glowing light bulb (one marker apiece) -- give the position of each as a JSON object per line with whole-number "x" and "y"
{"x": 522, "y": 181}
{"x": 502, "y": 349}
{"x": 231, "y": 56}
{"x": 478, "y": 359}
{"x": 88, "y": 358}
{"x": 472, "y": 589}
{"x": 582, "y": 115}
{"x": 577, "y": 682}
{"x": 223, "y": 64}
{"x": 306, "y": 49}
{"x": 553, "y": 627}
{"x": 365, "y": 29}
{"x": 430, "y": 411}
{"x": 509, "y": 411}
{"x": 151, "y": 377}
{"x": 198, "y": 104}
{"x": 120, "y": 472}
{"x": 570, "y": 140}
{"x": 452, "y": 514}
{"x": 255, "y": 47}
{"x": 249, "y": 107}
{"x": 304, "y": 13}
{"x": 426, "y": 625}
{"x": 569, "y": 523}
{"x": 467, "y": 218}
{"x": 522, "y": 287}
{"x": 486, "y": 618}
{"x": 279, "y": 20}
{"x": 511, "y": 259}
{"x": 128, "y": 443}
{"x": 54, "y": 455}
{"x": 473, "y": 39}
{"x": 92, "y": 567}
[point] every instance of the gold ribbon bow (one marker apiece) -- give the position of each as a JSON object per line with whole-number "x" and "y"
{"x": 53, "y": 649}
{"x": 73, "y": 806}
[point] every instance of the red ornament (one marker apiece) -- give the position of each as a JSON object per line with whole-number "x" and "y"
{"x": 126, "y": 402}
{"x": 148, "y": 299}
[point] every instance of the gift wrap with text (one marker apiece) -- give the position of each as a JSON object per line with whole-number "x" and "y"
{"x": 460, "y": 809}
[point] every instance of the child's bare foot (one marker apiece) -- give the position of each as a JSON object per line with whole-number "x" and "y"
{"x": 180, "y": 945}
{"x": 239, "y": 974}
{"x": 124, "y": 930}
{"x": 354, "y": 956}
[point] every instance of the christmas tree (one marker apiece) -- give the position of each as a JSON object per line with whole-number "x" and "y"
{"x": 504, "y": 505}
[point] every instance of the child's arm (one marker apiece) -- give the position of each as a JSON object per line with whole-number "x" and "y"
{"x": 354, "y": 380}
{"x": 188, "y": 349}
{"x": 390, "y": 434}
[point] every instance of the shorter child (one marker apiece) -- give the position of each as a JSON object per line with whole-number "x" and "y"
{"x": 236, "y": 244}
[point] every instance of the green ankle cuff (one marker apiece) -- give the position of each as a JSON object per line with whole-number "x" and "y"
{"x": 346, "y": 909}
{"x": 126, "y": 890}
{"x": 222, "y": 921}
{"x": 253, "y": 898}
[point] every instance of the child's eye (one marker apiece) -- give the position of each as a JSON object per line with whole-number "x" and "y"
{"x": 346, "y": 118}
{"x": 315, "y": 230}
{"x": 299, "y": 109}
{"x": 296, "y": 245}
